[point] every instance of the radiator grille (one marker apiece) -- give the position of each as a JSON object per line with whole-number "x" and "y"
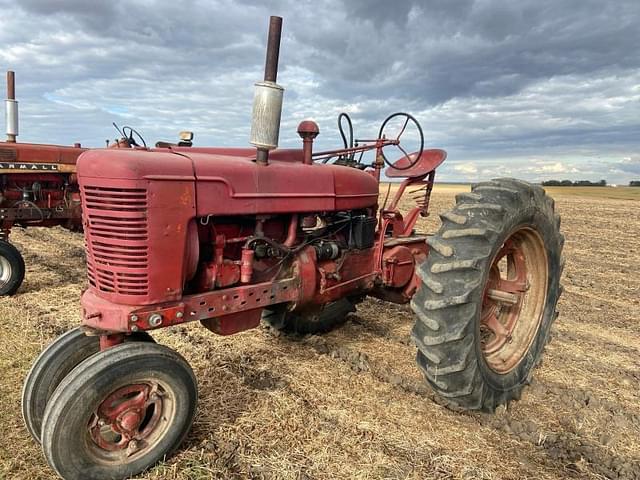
{"x": 117, "y": 239}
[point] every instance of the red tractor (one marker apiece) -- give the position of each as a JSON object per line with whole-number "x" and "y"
{"x": 38, "y": 187}
{"x": 233, "y": 236}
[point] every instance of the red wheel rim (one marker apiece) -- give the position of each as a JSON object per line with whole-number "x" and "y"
{"x": 130, "y": 420}
{"x": 514, "y": 300}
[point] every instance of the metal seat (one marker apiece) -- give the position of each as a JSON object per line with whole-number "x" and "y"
{"x": 429, "y": 161}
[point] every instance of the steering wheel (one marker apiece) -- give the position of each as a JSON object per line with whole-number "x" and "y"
{"x": 408, "y": 118}
{"x": 130, "y": 138}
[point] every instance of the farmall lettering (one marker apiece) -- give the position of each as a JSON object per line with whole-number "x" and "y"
{"x": 28, "y": 167}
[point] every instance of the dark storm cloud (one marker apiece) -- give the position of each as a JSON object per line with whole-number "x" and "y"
{"x": 434, "y": 51}
{"x": 497, "y": 82}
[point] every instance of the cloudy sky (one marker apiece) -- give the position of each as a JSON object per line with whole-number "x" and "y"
{"x": 536, "y": 89}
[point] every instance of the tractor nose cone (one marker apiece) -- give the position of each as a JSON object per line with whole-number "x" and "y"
{"x": 308, "y": 129}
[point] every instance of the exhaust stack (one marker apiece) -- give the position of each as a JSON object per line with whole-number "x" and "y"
{"x": 267, "y": 102}
{"x": 11, "y": 108}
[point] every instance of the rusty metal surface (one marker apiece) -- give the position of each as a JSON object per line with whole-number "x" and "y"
{"x": 513, "y": 299}
{"x": 43, "y": 154}
{"x": 40, "y": 215}
{"x": 39, "y": 186}
{"x": 127, "y": 418}
{"x": 109, "y": 316}
{"x": 11, "y": 85}
{"x": 52, "y": 167}
{"x": 131, "y": 229}
{"x": 273, "y": 49}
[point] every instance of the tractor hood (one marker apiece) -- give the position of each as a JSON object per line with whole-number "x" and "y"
{"x": 229, "y": 182}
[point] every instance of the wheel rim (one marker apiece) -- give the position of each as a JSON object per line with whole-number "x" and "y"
{"x": 131, "y": 421}
{"x": 5, "y": 271}
{"x": 514, "y": 300}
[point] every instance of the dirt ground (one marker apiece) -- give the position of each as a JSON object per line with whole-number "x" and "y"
{"x": 352, "y": 404}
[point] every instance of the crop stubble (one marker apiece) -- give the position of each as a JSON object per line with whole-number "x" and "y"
{"x": 352, "y": 404}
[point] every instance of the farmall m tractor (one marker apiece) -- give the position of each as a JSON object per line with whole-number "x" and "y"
{"x": 232, "y": 236}
{"x": 38, "y": 187}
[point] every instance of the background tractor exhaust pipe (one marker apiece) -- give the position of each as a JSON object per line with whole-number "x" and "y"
{"x": 11, "y": 108}
{"x": 267, "y": 102}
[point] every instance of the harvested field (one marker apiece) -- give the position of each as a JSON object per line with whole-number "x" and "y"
{"x": 352, "y": 404}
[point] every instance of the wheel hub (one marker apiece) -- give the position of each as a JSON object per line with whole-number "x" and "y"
{"x": 130, "y": 421}
{"x": 127, "y": 418}
{"x": 514, "y": 299}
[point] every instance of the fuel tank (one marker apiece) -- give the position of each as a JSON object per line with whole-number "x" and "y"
{"x": 228, "y": 181}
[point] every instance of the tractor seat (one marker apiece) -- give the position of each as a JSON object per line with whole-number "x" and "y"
{"x": 429, "y": 160}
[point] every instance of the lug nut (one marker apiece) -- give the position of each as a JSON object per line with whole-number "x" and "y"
{"x": 179, "y": 315}
{"x": 134, "y": 318}
{"x": 134, "y": 328}
{"x": 155, "y": 320}
{"x": 132, "y": 448}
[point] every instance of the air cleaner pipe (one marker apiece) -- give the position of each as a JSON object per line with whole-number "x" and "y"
{"x": 308, "y": 130}
{"x": 267, "y": 102}
{"x": 11, "y": 108}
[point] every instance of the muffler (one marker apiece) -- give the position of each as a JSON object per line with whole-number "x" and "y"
{"x": 11, "y": 108}
{"x": 267, "y": 101}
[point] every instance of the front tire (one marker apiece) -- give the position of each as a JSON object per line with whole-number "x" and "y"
{"x": 489, "y": 291}
{"x": 52, "y": 365}
{"x": 11, "y": 268}
{"x": 119, "y": 412}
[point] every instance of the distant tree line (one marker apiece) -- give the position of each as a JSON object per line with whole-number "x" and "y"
{"x": 634, "y": 183}
{"x": 577, "y": 183}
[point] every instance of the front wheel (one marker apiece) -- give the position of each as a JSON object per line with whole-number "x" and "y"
{"x": 119, "y": 412}
{"x": 489, "y": 291}
{"x": 52, "y": 365}
{"x": 11, "y": 268}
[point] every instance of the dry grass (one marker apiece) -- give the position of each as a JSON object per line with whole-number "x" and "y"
{"x": 351, "y": 405}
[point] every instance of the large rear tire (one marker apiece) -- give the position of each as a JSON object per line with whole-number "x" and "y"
{"x": 313, "y": 320}
{"x": 11, "y": 268}
{"x": 489, "y": 291}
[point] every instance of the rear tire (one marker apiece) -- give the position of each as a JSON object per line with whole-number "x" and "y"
{"x": 313, "y": 320}
{"x": 119, "y": 412}
{"x": 489, "y": 291}
{"x": 11, "y": 268}
{"x": 52, "y": 365}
